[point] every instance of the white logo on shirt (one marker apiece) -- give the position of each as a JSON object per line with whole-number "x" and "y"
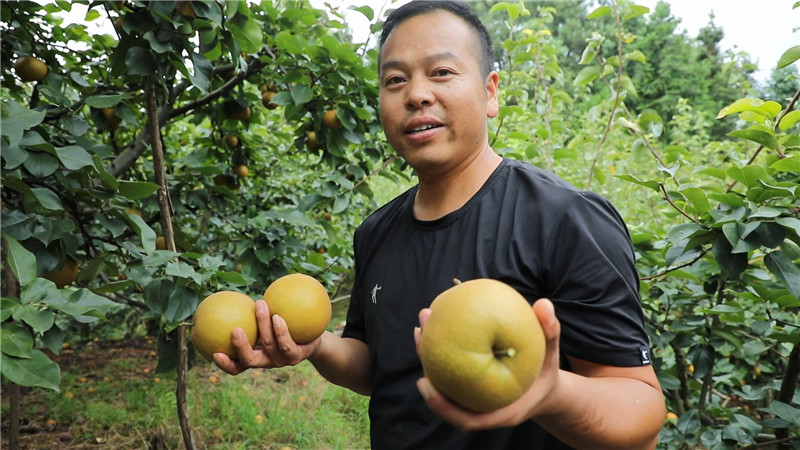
{"x": 375, "y": 293}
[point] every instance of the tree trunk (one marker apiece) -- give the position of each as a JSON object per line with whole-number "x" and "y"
{"x": 169, "y": 238}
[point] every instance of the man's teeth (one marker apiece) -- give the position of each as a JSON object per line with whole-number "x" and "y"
{"x": 421, "y": 128}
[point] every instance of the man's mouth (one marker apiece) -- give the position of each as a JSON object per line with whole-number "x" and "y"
{"x": 422, "y": 128}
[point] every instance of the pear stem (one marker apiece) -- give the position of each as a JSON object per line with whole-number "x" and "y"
{"x": 508, "y": 352}
{"x": 456, "y": 281}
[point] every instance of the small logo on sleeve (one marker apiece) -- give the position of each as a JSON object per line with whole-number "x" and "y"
{"x": 645, "y": 354}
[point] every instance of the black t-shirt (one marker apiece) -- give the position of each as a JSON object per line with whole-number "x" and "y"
{"x": 525, "y": 227}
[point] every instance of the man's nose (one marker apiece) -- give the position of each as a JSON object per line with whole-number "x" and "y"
{"x": 420, "y": 94}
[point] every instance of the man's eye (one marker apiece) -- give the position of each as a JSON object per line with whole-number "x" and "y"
{"x": 393, "y": 80}
{"x": 443, "y": 72}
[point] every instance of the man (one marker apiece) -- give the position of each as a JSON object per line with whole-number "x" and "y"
{"x": 473, "y": 215}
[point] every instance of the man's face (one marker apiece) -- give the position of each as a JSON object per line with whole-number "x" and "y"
{"x": 434, "y": 99}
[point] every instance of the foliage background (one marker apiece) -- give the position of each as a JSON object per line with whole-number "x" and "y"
{"x": 701, "y": 161}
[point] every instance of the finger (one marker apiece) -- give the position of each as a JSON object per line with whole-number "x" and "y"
{"x": 265, "y": 335}
{"x": 460, "y": 418}
{"x": 247, "y": 356}
{"x": 287, "y": 348}
{"x": 227, "y": 365}
{"x": 546, "y": 313}
{"x": 424, "y": 315}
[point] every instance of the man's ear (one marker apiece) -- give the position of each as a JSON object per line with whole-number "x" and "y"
{"x": 492, "y": 105}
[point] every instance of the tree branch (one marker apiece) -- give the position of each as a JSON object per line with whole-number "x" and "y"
{"x": 789, "y": 384}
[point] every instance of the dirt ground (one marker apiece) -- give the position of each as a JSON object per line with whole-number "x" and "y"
{"x": 133, "y": 358}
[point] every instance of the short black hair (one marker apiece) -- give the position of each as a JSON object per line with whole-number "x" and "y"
{"x": 457, "y": 7}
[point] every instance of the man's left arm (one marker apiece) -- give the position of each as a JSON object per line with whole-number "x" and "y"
{"x": 593, "y": 406}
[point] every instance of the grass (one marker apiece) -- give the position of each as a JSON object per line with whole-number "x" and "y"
{"x": 111, "y": 398}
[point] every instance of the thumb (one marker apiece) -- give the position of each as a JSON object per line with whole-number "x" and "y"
{"x": 546, "y": 313}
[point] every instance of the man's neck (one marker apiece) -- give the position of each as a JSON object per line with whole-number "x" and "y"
{"x": 440, "y": 195}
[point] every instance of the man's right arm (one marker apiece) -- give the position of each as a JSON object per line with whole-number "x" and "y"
{"x": 343, "y": 361}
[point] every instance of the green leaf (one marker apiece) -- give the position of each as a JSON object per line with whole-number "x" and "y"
{"x": 290, "y": 43}
{"x": 789, "y": 56}
{"x": 146, "y": 234}
{"x": 652, "y": 184}
{"x": 340, "y": 204}
{"x": 16, "y": 119}
{"x": 697, "y": 197}
{"x": 53, "y": 339}
{"x": 17, "y": 340}
{"x": 514, "y": 10}
{"x": 7, "y": 306}
{"x": 732, "y": 263}
{"x": 636, "y": 55}
{"x": 635, "y": 11}
{"x": 367, "y": 11}
{"x": 784, "y": 270}
{"x": 769, "y": 108}
{"x": 137, "y": 190}
{"x": 47, "y": 198}
{"x": 38, "y": 370}
{"x": 179, "y": 269}
{"x": 790, "y": 164}
{"x": 770, "y": 234}
{"x": 140, "y": 62}
{"x": 586, "y": 75}
{"x": 97, "y": 306}
{"x": 758, "y": 136}
{"x": 246, "y": 31}
{"x": 765, "y": 212}
{"x": 203, "y": 71}
{"x": 599, "y": 12}
{"x": 751, "y": 176}
{"x": 157, "y": 293}
{"x": 182, "y": 303}
{"x": 74, "y": 157}
{"x": 301, "y": 94}
{"x": 234, "y": 278}
{"x": 786, "y": 412}
{"x": 789, "y": 120}
{"x": 105, "y": 101}
{"x": 40, "y": 320}
{"x": 41, "y": 164}
{"x": 91, "y": 15}
{"x": 21, "y": 261}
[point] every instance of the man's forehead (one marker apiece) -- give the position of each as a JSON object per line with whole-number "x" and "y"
{"x": 387, "y": 61}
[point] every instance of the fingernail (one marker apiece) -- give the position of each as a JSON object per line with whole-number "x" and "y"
{"x": 260, "y": 307}
{"x": 278, "y": 321}
{"x": 422, "y": 385}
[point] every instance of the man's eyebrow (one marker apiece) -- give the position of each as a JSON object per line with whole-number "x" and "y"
{"x": 390, "y": 64}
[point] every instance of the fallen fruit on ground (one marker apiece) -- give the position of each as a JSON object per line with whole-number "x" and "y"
{"x": 64, "y": 276}
{"x": 303, "y": 303}
{"x": 216, "y": 317}
{"x": 29, "y": 68}
{"x": 482, "y": 346}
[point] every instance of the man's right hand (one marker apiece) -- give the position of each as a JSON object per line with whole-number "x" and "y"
{"x": 274, "y": 347}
